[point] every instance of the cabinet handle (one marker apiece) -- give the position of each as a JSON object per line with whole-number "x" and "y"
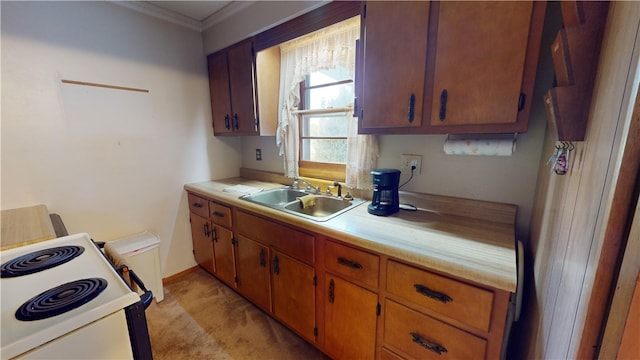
{"x": 349, "y": 263}
{"x": 442, "y": 297}
{"x": 332, "y": 289}
{"x": 206, "y": 229}
{"x": 235, "y": 121}
{"x": 218, "y": 214}
{"x": 276, "y": 265}
{"x": 215, "y": 234}
{"x": 428, "y": 344}
{"x": 412, "y": 105}
{"x": 197, "y": 205}
{"x": 263, "y": 262}
{"x": 227, "y": 122}
{"x": 443, "y": 104}
{"x": 522, "y": 101}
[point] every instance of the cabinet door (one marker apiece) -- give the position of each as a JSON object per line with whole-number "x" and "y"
{"x": 294, "y": 295}
{"x": 253, "y": 272}
{"x": 480, "y": 55}
{"x": 350, "y": 320}
{"x": 395, "y": 50}
{"x": 223, "y": 253}
{"x": 219, "y": 92}
{"x": 241, "y": 82}
{"x": 202, "y": 243}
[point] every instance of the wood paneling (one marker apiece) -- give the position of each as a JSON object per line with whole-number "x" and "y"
{"x": 571, "y": 211}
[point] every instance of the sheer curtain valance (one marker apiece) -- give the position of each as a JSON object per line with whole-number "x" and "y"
{"x": 328, "y": 48}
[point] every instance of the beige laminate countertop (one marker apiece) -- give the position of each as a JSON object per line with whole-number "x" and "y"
{"x": 25, "y": 226}
{"x": 477, "y": 244}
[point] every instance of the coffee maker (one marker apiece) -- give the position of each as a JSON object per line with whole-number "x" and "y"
{"x": 385, "y": 200}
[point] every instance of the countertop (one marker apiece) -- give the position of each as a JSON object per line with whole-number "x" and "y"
{"x": 468, "y": 239}
{"x": 25, "y": 226}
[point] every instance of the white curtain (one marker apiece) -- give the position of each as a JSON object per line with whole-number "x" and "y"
{"x": 325, "y": 49}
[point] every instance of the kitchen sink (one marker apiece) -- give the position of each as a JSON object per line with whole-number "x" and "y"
{"x": 275, "y": 197}
{"x": 286, "y": 200}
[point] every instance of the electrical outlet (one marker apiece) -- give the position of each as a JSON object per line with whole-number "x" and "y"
{"x": 259, "y": 154}
{"x": 407, "y": 161}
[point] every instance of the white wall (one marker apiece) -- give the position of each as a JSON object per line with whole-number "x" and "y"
{"x": 110, "y": 162}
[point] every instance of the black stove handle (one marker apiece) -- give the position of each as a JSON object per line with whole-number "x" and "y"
{"x": 147, "y": 297}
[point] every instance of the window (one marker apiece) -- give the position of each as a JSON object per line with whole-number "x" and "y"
{"x": 326, "y": 95}
{"x": 317, "y": 133}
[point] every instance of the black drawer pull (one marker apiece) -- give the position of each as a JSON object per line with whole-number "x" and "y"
{"x": 197, "y": 205}
{"x": 349, "y": 263}
{"x": 215, "y": 234}
{"x": 218, "y": 214}
{"x": 421, "y": 289}
{"x": 443, "y": 104}
{"x": 428, "y": 344}
{"x": 276, "y": 265}
{"x": 206, "y": 229}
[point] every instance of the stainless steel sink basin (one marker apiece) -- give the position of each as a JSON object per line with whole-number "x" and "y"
{"x": 275, "y": 197}
{"x": 325, "y": 206}
{"x": 286, "y": 199}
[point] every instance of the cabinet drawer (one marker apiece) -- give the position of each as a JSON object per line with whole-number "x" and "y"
{"x": 357, "y": 265}
{"x": 283, "y": 238}
{"x": 463, "y": 302}
{"x": 422, "y": 337}
{"x": 220, "y": 214}
{"x": 199, "y": 206}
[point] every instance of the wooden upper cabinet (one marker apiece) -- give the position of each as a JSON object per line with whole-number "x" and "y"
{"x": 448, "y": 67}
{"x": 233, "y": 95}
{"x": 486, "y": 55}
{"x": 393, "y": 50}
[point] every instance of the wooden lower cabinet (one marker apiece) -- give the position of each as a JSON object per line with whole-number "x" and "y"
{"x": 350, "y": 316}
{"x": 417, "y": 336}
{"x": 294, "y": 294}
{"x": 253, "y": 271}
{"x": 202, "y": 243}
{"x": 351, "y": 303}
{"x": 223, "y": 254}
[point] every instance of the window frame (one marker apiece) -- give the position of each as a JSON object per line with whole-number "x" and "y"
{"x": 317, "y": 169}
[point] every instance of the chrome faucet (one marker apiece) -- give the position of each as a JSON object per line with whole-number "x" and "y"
{"x": 310, "y": 187}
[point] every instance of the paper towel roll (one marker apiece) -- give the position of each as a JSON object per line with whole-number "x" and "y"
{"x": 483, "y": 147}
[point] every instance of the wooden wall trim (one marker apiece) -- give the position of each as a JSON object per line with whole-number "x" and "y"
{"x": 317, "y": 19}
{"x": 625, "y": 201}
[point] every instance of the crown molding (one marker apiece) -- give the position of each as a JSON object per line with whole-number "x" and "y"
{"x": 178, "y": 19}
{"x": 225, "y": 12}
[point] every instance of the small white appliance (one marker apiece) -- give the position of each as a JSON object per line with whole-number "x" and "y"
{"x": 62, "y": 299}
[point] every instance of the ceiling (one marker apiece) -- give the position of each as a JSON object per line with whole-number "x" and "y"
{"x": 196, "y": 15}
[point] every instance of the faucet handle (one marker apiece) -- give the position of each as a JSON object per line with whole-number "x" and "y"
{"x": 294, "y": 184}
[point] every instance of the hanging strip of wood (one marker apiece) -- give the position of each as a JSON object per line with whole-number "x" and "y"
{"x": 104, "y": 86}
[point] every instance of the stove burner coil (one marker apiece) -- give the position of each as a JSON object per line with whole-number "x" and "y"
{"x": 61, "y": 299}
{"x": 39, "y": 260}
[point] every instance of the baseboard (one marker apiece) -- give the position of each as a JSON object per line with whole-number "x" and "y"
{"x": 177, "y": 276}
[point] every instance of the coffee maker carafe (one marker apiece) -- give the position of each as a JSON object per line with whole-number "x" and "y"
{"x": 385, "y": 200}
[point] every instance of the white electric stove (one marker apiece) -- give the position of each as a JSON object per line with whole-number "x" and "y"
{"x": 62, "y": 298}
